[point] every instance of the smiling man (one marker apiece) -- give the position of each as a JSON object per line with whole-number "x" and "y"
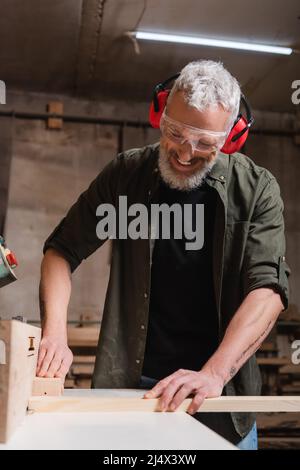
{"x": 180, "y": 322}
{"x": 181, "y": 165}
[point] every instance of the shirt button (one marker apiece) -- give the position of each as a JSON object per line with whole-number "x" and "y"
{"x": 142, "y": 327}
{"x": 222, "y": 177}
{"x": 137, "y": 361}
{"x": 283, "y": 258}
{"x": 145, "y": 295}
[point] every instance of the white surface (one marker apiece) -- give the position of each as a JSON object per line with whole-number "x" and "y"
{"x": 125, "y": 430}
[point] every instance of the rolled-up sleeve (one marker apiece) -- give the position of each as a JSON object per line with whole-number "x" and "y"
{"x": 75, "y": 236}
{"x": 264, "y": 260}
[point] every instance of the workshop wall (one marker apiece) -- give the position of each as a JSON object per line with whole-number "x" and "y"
{"x": 50, "y": 168}
{"x": 281, "y": 155}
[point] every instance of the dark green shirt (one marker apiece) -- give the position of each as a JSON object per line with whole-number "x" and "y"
{"x": 248, "y": 253}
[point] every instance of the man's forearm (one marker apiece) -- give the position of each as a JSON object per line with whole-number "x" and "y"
{"x": 248, "y": 328}
{"x": 54, "y": 357}
{"x": 55, "y": 291}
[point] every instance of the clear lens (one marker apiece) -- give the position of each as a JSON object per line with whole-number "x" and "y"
{"x": 199, "y": 139}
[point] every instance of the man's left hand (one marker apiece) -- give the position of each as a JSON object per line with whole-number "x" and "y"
{"x": 173, "y": 389}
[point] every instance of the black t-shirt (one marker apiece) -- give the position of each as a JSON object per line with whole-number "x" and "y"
{"x": 183, "y": 322}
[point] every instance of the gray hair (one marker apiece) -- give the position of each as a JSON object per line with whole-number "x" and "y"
{"x": 207, "y": 83}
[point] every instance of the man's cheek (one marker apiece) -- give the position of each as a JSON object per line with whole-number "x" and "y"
{"x": 167, "y": 146}
{"x": 163, "y": 142}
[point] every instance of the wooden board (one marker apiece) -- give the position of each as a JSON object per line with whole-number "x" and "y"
{"x": 19, "y": 345}
{"x": 83, "y": 336}
{"x": 55, "y": 107}
{"x": 105, "y": 402}
{"x": 85, "y": 383}
{"x": 290, "y": 369}
{"x": 273, "y": 361}
{"x": 47, "y": 386}
{"x": 279, "y": 422}
{"x": 84, "y": 359}
{"x": 279, "y": 443}
{"x": 69, "y": 383}
{"x": 82, "y": 369}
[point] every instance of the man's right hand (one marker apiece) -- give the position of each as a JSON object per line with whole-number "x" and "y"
{"x": 54, "y": 358}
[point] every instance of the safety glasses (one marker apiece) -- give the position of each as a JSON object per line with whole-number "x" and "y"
{"x": 202, "y": 140}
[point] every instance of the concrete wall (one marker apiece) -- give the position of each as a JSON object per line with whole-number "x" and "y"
{"x": 50, "y": 169}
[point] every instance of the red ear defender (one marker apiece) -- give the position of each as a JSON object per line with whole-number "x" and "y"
{"x": 159, "y": 101}
{"x": 239, "y": 131}
{"x": 233, "y": 144}
{"x": 154, "y": 116}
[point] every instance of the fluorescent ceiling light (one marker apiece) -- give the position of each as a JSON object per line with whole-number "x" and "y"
{"x": 211, "y": 42}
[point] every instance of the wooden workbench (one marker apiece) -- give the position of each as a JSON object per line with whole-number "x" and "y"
{"x": 113, "y": 430}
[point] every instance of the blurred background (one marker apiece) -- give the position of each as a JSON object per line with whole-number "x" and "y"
{"x": 74, "y": 59}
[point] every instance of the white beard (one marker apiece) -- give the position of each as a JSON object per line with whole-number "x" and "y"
{"x": 181, "y": 182}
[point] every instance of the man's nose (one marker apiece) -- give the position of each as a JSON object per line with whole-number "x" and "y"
{"x": 186, "y": 151}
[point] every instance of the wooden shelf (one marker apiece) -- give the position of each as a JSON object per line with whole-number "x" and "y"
{"x": 83, "y": 336}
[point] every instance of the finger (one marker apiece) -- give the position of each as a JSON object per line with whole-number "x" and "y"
{"x": 54, "y": 365}
{"x": 41, "y": 355}
{"x": 183, "y": 392}
{"x": 162, "y": 384}
{"x": 63, "y": 370}
{"x": 46, "y": 362}
{"x": 171, "y": 390}
{"x": 196, "y": 403}
{"x": 157, "y": 389}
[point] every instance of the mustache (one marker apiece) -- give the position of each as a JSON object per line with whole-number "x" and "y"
{"x": 172, "y": 153}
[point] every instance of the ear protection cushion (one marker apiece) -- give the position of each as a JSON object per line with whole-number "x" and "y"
{"x": 235, "y": 145}
{"x": 154, "y": 116}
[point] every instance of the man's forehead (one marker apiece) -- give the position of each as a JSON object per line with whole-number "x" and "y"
{"x": 213, "y": 118}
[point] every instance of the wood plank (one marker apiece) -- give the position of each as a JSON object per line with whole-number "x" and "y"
{"x": 273, "y": 361}
{"x": 84, "y": 359}
{"x": 83, "y": 383}
{"x": 20, "y": 344}
{"x": 55, "y": 107}
{"x": 83, "y": 336}
{"x": 267, "y": 347}
{"x": 69, "y": 383}
{"x": 290, "y": 369}
{"x": 47, "y": 386}
{"x": 288, "y": 443}
{"x": 290, "y": 389}
{"x": 118, "y": 404}
{"x": 82, "y": 369}
{"x": 275, "y": 422}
